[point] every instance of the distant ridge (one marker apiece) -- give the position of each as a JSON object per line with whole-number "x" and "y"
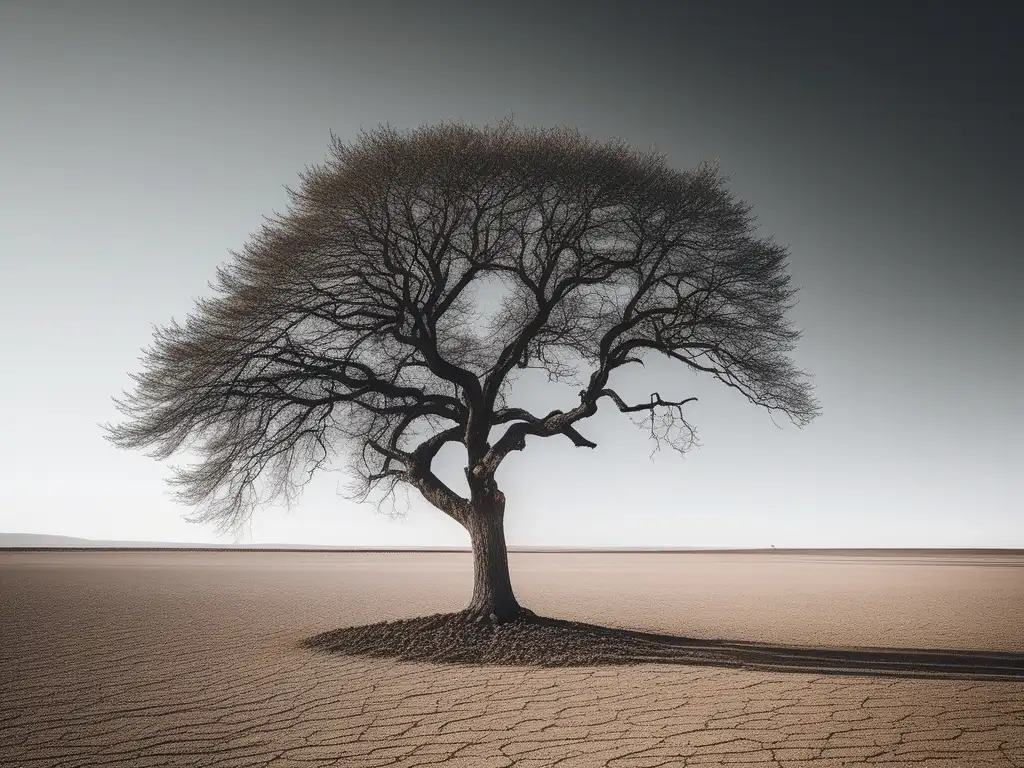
{"x": 41, "y": 541}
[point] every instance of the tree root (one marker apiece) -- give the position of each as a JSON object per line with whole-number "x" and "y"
{"x": 489, "y": 617}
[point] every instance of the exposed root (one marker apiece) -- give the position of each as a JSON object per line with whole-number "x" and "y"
{"x": 487, "y": 617}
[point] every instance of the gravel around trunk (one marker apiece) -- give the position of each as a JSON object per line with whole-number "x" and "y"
{"x": 533, "y": 641}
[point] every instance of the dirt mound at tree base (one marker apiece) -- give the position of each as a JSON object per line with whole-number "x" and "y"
{"x": 460, "y": 638}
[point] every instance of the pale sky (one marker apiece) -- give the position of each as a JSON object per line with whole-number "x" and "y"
{"x": 142, "y": 141}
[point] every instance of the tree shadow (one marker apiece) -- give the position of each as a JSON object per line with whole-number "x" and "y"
{"x": 455, "y": 638}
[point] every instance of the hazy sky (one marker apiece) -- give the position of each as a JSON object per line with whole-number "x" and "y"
{"x": 143, "y": 140}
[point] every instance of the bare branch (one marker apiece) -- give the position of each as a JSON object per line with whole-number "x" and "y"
{"x": 655, "y": 401}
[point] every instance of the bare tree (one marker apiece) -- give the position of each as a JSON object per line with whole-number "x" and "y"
{"x": 347, "y": 322}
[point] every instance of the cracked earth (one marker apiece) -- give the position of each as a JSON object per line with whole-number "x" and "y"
{"x": 194, "y": 659}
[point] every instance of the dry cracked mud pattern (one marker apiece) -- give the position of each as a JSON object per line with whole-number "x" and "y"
{"x": 152, "y": 663}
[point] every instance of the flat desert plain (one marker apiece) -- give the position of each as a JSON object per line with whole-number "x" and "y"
{"x": 178, "y": 658}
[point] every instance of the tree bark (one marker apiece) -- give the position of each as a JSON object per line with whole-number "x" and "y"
{"x": 493, "y": 599}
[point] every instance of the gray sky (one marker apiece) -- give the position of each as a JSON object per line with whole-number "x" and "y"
{"x": 142, "y": 141}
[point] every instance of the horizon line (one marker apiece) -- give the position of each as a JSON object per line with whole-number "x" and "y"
{"x": 529, "y": 550}
{"x": 38, "y": 542}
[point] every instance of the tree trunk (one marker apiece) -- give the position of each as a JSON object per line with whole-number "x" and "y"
{"x": 493, "y": 599}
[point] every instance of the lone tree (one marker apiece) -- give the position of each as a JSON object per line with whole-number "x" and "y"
{"x": 348, "y": 322}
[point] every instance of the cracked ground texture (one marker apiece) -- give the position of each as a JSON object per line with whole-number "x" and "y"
{"x": 194, "y": 659}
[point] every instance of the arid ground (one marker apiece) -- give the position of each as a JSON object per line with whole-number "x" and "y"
{"x": 198, "y": 659}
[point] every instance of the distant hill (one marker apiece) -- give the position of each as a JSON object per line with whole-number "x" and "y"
{"x": 42, "y": 540}
{"x": 48, "y": 540}
{"x": 36, "y": 540}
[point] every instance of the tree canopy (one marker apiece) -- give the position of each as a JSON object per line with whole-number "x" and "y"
{"x": 347, "y": 324}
